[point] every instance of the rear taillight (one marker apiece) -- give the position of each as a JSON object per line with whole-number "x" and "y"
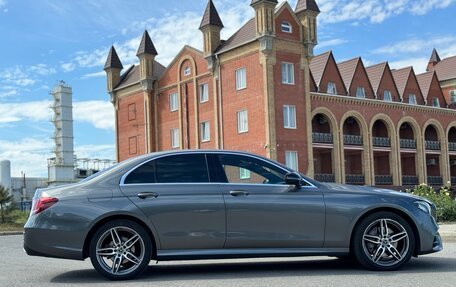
{"x": 42, "y": 203}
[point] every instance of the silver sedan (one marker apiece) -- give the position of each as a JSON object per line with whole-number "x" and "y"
{"x": 223, "y": 204}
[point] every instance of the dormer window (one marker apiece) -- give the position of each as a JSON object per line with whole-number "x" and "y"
{"x": 387, "y": 96}
{"x": 436, "y": 102}
{"x": 453, "y": 96}
{"x": 331, "y": 88}
{"x": 412, "y": 99}
{"x": 360, "y": 92}
{"x": 187, "y": 71}
{"x": 286, "y": 27}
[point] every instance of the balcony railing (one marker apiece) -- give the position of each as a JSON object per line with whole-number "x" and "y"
{"x": 408, "y": 143}
{"x": 322, "y": 138}
{"x": 353, "y": 140}
{"x": 409, "y": 180}
{"x": 434, "y": 180}
{"x": 452, "y": 146}
{"x": 383, "y": 180}
{"x": 381, "y": 142}
{"x": 433, "y": 145}
{"x": 325, "y": 177}
{"x": 354, "y": 179}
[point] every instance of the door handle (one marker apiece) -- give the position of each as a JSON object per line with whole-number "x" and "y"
{"x": 144, "y": 195}
{"x": 239, "y": 192}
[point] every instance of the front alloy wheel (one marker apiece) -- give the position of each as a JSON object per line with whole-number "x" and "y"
{"x": 120, "y": 250}
{"x": 383, "y": 241}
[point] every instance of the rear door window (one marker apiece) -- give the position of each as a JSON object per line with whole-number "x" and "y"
{"x": 186, "y": 168}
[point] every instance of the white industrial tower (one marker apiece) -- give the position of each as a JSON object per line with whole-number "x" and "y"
{"x": 61, "y": 167}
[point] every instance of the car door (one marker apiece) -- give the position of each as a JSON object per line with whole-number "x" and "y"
{"x": 176, "y": 193}
{"x": 264, "y": 212}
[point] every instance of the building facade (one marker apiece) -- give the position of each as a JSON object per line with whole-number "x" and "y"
{"x": 264, "y": 91}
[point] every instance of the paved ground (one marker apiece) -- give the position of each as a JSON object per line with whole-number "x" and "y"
{"x": 18, "y": 269}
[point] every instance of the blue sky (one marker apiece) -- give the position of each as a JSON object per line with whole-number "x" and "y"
{"x": 50, "y": 40}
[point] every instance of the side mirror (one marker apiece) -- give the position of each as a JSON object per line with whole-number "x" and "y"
{"x": 293, "y": 178}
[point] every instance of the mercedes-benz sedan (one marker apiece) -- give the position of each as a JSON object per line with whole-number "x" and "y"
{"x": 223, "y": 204}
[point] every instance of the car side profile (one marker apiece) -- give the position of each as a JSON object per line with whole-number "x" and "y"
{"x": 214, "y": 204}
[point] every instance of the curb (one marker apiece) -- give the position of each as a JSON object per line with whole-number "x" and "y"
{"x": 5, "y": 233}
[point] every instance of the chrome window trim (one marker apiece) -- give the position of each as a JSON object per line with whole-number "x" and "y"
{"x": 122, "y": 179}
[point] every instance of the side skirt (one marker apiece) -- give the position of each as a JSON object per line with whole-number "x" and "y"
{"x": 195, "y": 254}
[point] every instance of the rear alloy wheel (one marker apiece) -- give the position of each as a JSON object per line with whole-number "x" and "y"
{"x": 120, "y": 250}
{"x": 383, "y": 241}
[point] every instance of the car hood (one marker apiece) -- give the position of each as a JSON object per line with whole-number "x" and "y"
{"x": 346, "y": 188}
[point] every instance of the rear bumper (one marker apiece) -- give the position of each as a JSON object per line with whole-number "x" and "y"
{"x": 49, "y": 243}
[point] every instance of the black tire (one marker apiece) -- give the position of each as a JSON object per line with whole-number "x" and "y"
{"x": 379, "y": 250}
{"x": 123, "y": 243}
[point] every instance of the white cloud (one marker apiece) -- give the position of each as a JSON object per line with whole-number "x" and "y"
{"x": 2, "y": 3}
{"x": 8, "y": 93}
{"x": 169, "y": 34}
{"x": 68, "y": 67}
{"x": 331, "y": 43}
{"x": 29, "y": 155}
{"x": 419, "y": 64}
{"x": 375, "y": 11}
{"x": 100, "y": 114}
{"x": 94, "y": 75}
{"x": 414, "y": 45}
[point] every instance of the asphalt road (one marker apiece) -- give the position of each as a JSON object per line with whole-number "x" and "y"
{"x": 18, "y": 269}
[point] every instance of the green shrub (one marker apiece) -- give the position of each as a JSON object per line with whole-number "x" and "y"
{"x": 446, "y": 205}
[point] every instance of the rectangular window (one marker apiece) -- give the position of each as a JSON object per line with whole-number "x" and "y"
{"x": 412, "y": 99}
{"x": 173, "y": 102}
{"x": 205, "y": 132}
{"x": 360, "y": 92}
{"x": 387, "y": 96}
{"x": 244, "y": 173}
{"x": 174, "y": 138}
{"x": 132, "y": 112}
{"x": 241, "y": 79}
{"x": 204, "y": 93}
{"x": 453, "y": 96}
{"x": 436, "y": 102}
{"x": 332, "y": 90}
{"x": 286, "y": 27}
{"x": 243, "y": 121}
{"x": 289, "y": 117}
{"x": 291, "y": 159}
{"x": 288, "y": 73}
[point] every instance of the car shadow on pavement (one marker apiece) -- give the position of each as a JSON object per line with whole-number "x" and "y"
{"x": 195, "y": 270}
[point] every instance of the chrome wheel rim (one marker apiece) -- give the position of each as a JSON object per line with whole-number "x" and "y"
{"x": 120, "y": 250}
{"x": 385, "y": 242}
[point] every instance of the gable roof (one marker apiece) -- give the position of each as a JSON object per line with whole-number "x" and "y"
{"x": 318, "y": 65}
{"x": 244, "y": 35}
{"x": 211, "y": 16}
{"x": 375, "y": 74}
{"x": 113, "y": 60}
{"x": 425, "y": 80}
{"x": 306, "y": 5}
{"x": 401, "y": 77}
{"x": 446, "y": 69}
{"x": 146, "y": 46}
{"x": 347, "y": 71}
{"x": 131, "y": 76}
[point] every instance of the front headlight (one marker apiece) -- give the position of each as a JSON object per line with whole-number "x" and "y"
{"x": 427, "y": 207}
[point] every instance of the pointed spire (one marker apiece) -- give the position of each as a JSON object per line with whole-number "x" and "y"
{"x": 113, "y": 60}
{"x": 146, "y": 46}
{"x": 435, "y": 58}
{"x": 310, "y": 5}
{"x": 211, "y": 16}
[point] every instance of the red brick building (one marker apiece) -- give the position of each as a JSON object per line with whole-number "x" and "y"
{"x": 263, "y": 91}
